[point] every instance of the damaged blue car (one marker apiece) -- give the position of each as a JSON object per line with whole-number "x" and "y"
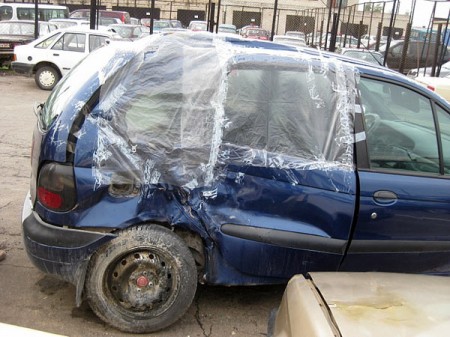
{"x": 189, "y": 158}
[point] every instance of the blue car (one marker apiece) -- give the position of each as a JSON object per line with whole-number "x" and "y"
{"x": 187, "y": 158}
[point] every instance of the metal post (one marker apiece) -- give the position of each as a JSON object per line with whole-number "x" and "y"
{"x": 93, "y": 14}
{"x": 445, "y": 43}
{"x": 208, "y": 15}
{"x": 152, "y": 14}
{"x": 388, "y": 42}
{"x": 218, "y": 16}
{"x": 36, "y": 19}
{"x": 275, "y": 8}
{"x": 211, "y": 17}
{"x": 328, "y": 25}
{"x": 335, "y": 28}
{"x": 436, "y": 50}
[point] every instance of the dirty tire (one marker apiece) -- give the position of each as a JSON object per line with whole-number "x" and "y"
{"x": 142, "y": 281}
{"x": 46, "y": 77}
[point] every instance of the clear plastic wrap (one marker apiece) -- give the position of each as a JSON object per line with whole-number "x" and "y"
{"x": 188, "y": 105}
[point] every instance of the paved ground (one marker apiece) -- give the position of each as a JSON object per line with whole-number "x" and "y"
{"x": 31, "y": 299}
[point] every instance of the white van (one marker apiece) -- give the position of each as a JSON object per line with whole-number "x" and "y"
{"x": 26, "y": 11}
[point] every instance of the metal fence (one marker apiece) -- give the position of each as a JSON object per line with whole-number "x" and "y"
{"x": 336, "y": 25}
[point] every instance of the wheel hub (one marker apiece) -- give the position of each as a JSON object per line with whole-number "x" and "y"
{"x": 142, "y": 281}
{"x": 47, "y": 79}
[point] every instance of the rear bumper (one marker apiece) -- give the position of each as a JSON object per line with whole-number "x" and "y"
{"x": 22, "y": 68}
{"x": 59, "y": 251}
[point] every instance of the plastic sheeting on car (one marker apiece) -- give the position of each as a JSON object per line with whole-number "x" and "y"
{"x": 187, "y": 106}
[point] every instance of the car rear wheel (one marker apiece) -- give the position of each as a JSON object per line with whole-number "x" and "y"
{"x": 143, "y": 280}
{"x": 46, "y": 77}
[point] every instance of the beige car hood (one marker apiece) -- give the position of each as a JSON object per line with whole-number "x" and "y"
{"x": 365, "y": 304}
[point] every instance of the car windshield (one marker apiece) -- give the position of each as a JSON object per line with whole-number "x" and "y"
{"x": 161, "y": 24}
{"x": 16, "y": 28}
{"x": 257, "y": 32}
{"x": 372, "y": 57}
{"x": 199, "y": 26}
{"x": 175, "y": 24}
{"x": 227, "y": 29}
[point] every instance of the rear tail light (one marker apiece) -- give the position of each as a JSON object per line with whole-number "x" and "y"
{"x": 56, "y": 187}
{"x": 431, "y": 87}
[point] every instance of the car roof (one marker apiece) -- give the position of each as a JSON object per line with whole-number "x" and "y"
{"x": 361, "y": 50}
{"x": 22, "y": 21}
{"x": 288, "y": 37}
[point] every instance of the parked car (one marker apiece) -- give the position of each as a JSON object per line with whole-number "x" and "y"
{"x": 342, "y": 41}
{"x": 198, "y": 26}
{"x": 363, "y": 304}
{"x": 426, "y": 71}
{"x": 14, "y": 33}
{"x": 297, "y": 34}
{"x": 27, "y": 11}
{"x": 440, "y": 85}
{"x": 85, "y": 14}
{"x": 289, "y": 40}
{"x": 280, "y": 161}
{"x": 367, "y": 41}
{"x": 242, "y": 30}
{"x": 227, "y": 29}
{"x": 66, "y": 23}
{"x": 51, "y": 57}
{"x": 370, "y": 56}
{"x": 419, "y": 54}
{"x": 163, "y": 24}
{"x": 256, "y": 33}
{"x": 128, "y": 31}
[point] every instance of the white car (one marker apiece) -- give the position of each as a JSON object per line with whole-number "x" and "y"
{"x": 66, "y": 23}
{"x": 289, "y": 40}
{"x": 345, "y": 304}
{"x": 445, "y": 71}
{"x": 51, "y": 57}
{"x": 440, "y": 85}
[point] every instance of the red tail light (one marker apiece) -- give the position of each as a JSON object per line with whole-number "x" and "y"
{"x": 431, "y": 87}
{"x": 56, "y": 187}
{"x": 49, "y": 199}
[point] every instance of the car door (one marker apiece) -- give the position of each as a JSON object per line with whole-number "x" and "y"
{"x": 285, "y": 200}
{"x": 68, "y": 50}
{"x": 404, "y": 212}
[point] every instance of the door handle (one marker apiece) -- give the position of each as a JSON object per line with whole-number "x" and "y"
{"x": 385, "y": 197}
{"x": 55, "y": 54}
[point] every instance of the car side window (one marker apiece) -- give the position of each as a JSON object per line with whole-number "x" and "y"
{"x": 400, "y": 128}
{"x": 96, "y": 41}
{"x": 397, "y": 50}
{"x": 444, "y": 128}
{"x": 47, "y": 42}
{"x": 281, "y": 111}
{"x": 71, "y": 42}
{"x": 6, "y": 13}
